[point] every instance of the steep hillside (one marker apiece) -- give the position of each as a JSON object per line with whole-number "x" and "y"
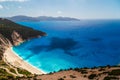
{"x": 7, "y": 27}
{"x": 13, "y": 34}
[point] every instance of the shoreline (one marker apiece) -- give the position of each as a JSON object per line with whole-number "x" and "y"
{"x": 14, "y": 59}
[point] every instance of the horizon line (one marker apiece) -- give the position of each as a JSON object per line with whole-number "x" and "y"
{"x": 62, "y": 16}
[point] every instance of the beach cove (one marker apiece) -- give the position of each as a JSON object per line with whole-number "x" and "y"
{"x": 12, "y": 58}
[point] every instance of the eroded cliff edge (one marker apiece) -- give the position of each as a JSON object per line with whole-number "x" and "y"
{"x": 12, "y": 34}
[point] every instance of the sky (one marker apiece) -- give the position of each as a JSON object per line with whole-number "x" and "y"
{"x": 82, "y": 9}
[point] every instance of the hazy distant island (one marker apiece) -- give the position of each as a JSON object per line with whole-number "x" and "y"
{"x": 23, "y": 18}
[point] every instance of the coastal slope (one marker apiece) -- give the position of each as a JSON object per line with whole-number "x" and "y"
{"x": 12, "y": 34}
{"x": 12, "y": 58}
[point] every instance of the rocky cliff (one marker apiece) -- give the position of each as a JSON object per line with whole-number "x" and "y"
{"x": 12, "y": 34}
{"x": 16, "y": 38}
{"x": 4, "y": 43}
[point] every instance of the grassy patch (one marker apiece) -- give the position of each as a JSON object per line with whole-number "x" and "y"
{"x": 12, "y": 70}
{"x": 111, "y": 78}
{"x": 92, "y": 76}
{"x": 115, "y": 72}
{"x": 2, "y": 63}
{"x": 24, "y": 72}
{"x": 5, "y": 76}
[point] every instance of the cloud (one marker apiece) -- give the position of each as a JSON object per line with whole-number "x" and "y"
{"x": 1, "y": 7}
{"x": 13, "y": 0}
{"x": 59, "y": 12}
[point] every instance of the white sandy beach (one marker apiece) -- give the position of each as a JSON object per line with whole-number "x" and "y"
{"x": 12, "y": 58}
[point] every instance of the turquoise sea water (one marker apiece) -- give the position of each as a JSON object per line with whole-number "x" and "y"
{"x": 71, "y": 44}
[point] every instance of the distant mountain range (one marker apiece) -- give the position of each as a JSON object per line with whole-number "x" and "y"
{"x": 40, "y": 18}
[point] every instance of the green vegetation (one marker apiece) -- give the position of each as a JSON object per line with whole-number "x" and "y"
{"x": 83, "y": 71}
{"x": 72, "y": 76}
{"x": 12, "y": 70}
{"x": 2, "y": 63}
{"x": 24, "y": 72}
{"x": 1, "y": 52}
{"x": 92, "y": 76}
{"x": 60, "y": 79}
{"x": 4, "y": 75}
{"x": 111, "y": 78}
{"x": 101, "y": 69}
{"x": 115, "y": 72}
{"x": 85, "y": 75}
{"x": 64, "y": 77}
{"x": 7, "y": 27}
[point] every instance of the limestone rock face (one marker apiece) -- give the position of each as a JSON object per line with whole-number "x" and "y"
{"x": 16, "y": 38}
{"x": 4, "y": 42}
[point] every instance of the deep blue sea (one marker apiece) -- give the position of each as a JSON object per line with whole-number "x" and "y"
{"x": 71, "y": 44}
